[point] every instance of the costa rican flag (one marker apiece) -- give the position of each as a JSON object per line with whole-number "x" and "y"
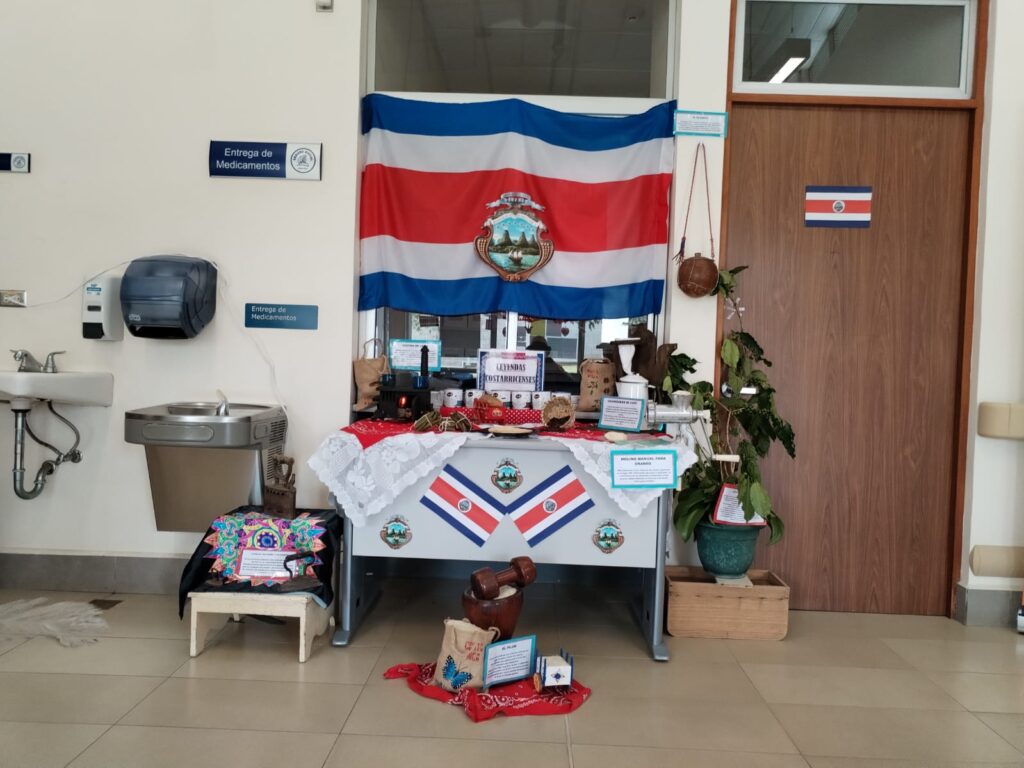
{"x": 837, "y": 207}
{"x": 551, "y": 505}
{"x": 508, "y": 206}
{"x": 464, "y": 505}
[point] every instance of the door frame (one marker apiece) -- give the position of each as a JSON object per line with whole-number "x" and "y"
{"x": 975, "y": 105}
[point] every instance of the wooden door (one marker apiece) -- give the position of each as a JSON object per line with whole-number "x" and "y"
{"x": 863, "y": 326}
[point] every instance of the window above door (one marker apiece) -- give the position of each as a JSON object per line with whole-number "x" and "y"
{"x": 617, "y": 48}
{"x": 896, "y": 48}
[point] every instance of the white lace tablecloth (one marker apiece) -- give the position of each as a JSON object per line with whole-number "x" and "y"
{"x": 366, "y": 481}
{"x": 596, "y": 460}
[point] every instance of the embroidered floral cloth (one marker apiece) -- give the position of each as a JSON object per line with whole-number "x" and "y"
{"x": 312, "y": 538}
{"x": 511, "y": 699}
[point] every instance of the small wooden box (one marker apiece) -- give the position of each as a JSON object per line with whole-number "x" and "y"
{"x": 699, "y": 607}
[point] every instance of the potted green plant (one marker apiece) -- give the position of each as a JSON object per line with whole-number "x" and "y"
{"x": 744, "y": 425}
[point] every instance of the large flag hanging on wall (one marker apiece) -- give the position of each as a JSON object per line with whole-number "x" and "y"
{"x": 504, "y": 205}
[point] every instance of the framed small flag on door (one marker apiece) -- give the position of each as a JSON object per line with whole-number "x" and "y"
{"x": 837, "y": 207}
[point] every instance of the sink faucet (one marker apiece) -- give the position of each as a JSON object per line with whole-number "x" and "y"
{"x": 51, "y": 365}
{"x": 26, "y": 362}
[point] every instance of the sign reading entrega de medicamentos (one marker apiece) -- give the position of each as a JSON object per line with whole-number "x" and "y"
{"x": 270, "y": 160}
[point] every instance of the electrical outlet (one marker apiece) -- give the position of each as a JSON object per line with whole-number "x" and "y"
{"x": 13, "y": 298}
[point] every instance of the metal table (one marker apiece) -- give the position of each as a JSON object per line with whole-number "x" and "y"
{"x": 641, "y": 540}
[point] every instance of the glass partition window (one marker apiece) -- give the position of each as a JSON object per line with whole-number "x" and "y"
{"x": 886, "y": 47}
{"x": 538, "y": 47}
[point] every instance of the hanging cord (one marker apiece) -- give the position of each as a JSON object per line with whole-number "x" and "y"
{"x": 73, "y": 454}
{"x": 700, "y": 154}
{"x": 78, "y": 287}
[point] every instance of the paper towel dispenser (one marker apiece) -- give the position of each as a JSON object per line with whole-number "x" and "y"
{"x": 168, "y": 297}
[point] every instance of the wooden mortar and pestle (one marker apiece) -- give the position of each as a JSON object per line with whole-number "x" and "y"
{"x": 495, "y": 599}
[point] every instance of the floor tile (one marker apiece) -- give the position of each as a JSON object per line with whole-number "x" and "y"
{"x": 961, "y": 656}
{"x": 818, "y": 651}
{"x": 848, "y": 686}
{"x": 623, "y": 640}
{"x": 879, "y": 626}
{"x": 1010, "y": 727}
{"x": 412, "y": 650}
{"x": 591, "y": 756}
{"x": 402, "y": 752}
{"x": 981, "y": 692}
{"x": 45, "y": 698}
{"x": 673, "y": 680}
{"x": 152, "y": 616}
{"x": 246, "y": 705}
{"x": 671, "y": 724}
{"x": 862, "y": 762}
{"x": 904, "y": 734}
{"x": 7, "y": 643}
{"x": 280, "y": 661}
{"x": 108, "y": 656}
{"x": 384, "y": 710}
{"x": 699, "y": 651}
{"x": 44, "y": 745}
{"x": 136, "y": 746}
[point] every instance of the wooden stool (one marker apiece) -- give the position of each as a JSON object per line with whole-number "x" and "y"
{"x": 211, "y": 609}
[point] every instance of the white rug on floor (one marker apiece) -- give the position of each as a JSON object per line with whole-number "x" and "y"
{"x": 71, "y": 624}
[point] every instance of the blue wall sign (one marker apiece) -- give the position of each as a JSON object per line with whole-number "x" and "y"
{"x": 300, "y": 317}
{"x": 270, "y": 160}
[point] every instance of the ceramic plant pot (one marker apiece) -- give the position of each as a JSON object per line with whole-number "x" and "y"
{"x": 726, "y": 550}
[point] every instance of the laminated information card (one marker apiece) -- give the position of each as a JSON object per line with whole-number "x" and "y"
{"x": 509, "y": 660}
{"x": 644, "y": 469}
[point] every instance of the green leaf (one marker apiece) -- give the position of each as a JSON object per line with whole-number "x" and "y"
{"x": 776, "y": 528}
{"x": 760, "y": 503}
{"x": 730, "y": 353}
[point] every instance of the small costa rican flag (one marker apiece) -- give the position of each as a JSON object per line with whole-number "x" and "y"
{"x": 837, "y": 207}
{"x": 551, "y": 505}
{"x": 463, "y": 505}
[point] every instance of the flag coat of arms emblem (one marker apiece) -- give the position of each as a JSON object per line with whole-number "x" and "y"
{"x": 464, "y": 505}
{"x": 550, "y": 506}
{"x": 508, "y": 206}
{"x": 837, "y": 207}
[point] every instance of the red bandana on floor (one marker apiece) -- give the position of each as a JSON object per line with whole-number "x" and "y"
{"x": 518, "y": 698}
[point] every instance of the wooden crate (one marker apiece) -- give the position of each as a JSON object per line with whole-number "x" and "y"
{"x": 699, "y": 607}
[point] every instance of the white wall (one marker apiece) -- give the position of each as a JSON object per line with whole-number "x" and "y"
{"x": 995, "y": 501}
{"x": 117, "y": 101}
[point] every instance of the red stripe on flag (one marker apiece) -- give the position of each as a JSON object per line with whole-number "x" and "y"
{"x": 537, "y": 513}
{"x": 825, "y": 206}
{"x": 453, "y": 497}
{"x": 422, "y": 207}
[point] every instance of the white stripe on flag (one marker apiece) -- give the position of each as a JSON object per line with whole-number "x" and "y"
{"x": 462, "y": 154}
{"x": 555, "y": 516}
{"x": 462, "y": 490}
{"x": 458, "y": 261}
{"x": 547, "y": 494}
{"x": 837, "y": 216}
{"x": 838, "y": 196}
{"x": 463, "y": 519}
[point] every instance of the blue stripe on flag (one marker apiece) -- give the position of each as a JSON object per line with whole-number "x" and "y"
{"x": 813, "y": 188}
{"x": 452, "y": 521}
{"x": 838, "y": 224}
{"x": 561, "y": 523}
{"x": 584, "y": 132}
{"x": 474, "y": 488}
{"x": 538, "y": 489}
{"x": 481, "y": 295}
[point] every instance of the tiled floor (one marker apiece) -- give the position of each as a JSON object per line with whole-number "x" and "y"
{"x": 843, "y": 691}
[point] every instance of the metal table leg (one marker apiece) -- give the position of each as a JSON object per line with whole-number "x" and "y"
{"x": 358, "y": 589}
{"x": 649, "y": 609}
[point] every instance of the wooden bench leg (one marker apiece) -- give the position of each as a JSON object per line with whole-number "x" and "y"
{"x": 202, "y": 625}
{"x": 313, "y": 623}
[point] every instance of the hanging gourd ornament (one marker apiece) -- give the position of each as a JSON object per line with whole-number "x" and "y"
{"x": 697, "y": 276}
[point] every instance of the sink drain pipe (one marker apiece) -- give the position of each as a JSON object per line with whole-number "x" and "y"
{"x": 49, "y": 466}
